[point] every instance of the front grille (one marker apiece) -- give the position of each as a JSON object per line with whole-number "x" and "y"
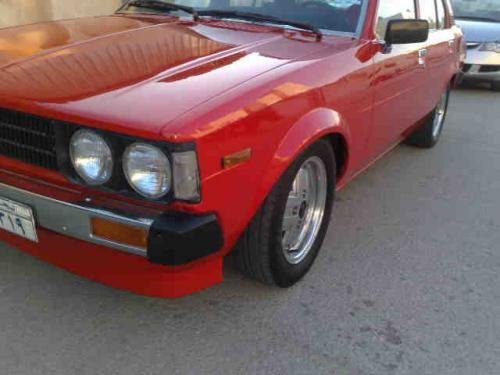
{"x": 28, "y": 138}
{"x": 467, "y": 67}
{"x": 489, "y": 68}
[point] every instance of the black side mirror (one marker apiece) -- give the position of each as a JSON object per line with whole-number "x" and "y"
{"x": 406, "y": 32}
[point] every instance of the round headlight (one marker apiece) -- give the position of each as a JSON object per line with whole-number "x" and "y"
{"x": 91, "y": 157}
{"x": 147, "y": 170}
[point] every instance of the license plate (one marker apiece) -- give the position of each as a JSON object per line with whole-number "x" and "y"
{"x": 17, "y": 218}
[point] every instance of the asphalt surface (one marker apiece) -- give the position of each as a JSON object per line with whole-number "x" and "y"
{"x": 408, "y": 282}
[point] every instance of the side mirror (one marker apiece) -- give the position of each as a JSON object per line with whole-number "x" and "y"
{"x": 406, "y": 32}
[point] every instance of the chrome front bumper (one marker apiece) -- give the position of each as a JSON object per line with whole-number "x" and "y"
{"x": 73, "y": 220}
{"x": 482, "y": 66}
{"x": 174, "y": 238}
{"x": 481, "y": 74}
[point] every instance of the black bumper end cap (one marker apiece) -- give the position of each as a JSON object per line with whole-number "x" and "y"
{"x": 177, "y": 238}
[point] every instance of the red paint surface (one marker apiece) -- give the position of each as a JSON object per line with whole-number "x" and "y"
{"x": 226, "y": 86}
{"x": 119, "y": 270}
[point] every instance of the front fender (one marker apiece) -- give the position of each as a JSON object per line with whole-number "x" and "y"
{"x": 237, "y": 193}
{"x": 306, "y": 131}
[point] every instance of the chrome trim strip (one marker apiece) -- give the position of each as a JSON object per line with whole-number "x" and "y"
{"x": 73, "y": 220}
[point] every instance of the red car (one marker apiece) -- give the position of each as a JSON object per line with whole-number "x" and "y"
{"x": 142, "y": 148}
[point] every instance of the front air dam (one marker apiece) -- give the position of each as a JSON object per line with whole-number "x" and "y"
{"x": 120, "y": 270}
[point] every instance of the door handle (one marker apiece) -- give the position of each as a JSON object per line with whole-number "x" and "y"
{"x": 422, "y": 54}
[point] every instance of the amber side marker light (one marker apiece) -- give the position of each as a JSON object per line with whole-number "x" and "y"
{"x": 239, "y": 157}
{"x": 119, "y": 233}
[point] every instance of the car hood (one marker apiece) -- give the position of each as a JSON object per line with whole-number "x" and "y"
{"x": 134, "y": 74}
{"x": 480, "y": 31}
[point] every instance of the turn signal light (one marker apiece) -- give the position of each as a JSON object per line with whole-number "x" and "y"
{"x": 239, "y": 157}
{"x": 119, "y": 233}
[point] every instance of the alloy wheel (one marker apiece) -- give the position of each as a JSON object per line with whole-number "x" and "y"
{"x": 304, "y": 210}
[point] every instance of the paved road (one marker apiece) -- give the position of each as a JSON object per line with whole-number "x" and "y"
{"x": 408, "y": 282}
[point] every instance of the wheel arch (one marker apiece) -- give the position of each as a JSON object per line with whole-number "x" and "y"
{"x": 315, "y": 125}
{"x": 341, "y": 150}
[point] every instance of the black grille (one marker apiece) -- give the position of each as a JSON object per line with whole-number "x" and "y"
{"x": 490, "y": 68}
{"x": 28, "y": 138}
{"x": 467, "y": 67}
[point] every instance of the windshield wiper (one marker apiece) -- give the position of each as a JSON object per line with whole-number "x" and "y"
{"x": 160, "y": 5}
{"x": 477, "y": 18}
{"x": 258, "y": 17}
{"x": 164, "y": 6}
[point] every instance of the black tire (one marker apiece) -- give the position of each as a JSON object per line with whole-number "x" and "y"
{"x": 495, "y": 86}
{"x": 259, "y": 252}
{"x": 425, "y": 136}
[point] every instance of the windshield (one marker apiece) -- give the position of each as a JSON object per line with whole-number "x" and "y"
{"x": 335, "y": 15}
{"x": 480, "y": 9}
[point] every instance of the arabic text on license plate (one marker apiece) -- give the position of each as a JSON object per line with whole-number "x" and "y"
{"x": 17, "y": 218}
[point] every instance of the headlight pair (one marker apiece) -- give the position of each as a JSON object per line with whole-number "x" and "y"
{"x": 146, "y": 168}
{"x": 490, "y": 47}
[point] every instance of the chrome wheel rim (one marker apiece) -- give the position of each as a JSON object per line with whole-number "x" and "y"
{"x": 437, "y": 126}
{"x": 304, "y": 210}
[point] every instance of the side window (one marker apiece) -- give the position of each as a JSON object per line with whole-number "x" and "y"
{"x": 393, "y": 10}
{"x": 428, "y": 12}
{"x": 441, "y": 14}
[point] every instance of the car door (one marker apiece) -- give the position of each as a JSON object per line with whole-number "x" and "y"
{"x": 398, "y": 80}
{"x": 441, "y": 48}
